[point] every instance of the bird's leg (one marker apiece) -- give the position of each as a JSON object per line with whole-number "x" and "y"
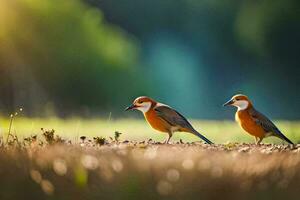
{"x": 169, "y": 137}
{"x": 259, "y": 141}
{"x": 256, "y": 139}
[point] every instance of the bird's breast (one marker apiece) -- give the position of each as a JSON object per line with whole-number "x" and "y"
{"x": 156, "y": 122}
{"x": 248, "y": 124}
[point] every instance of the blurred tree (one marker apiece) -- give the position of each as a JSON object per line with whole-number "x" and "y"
{"x": 233, "y": 46}
{"x": 63, "y": 52}
{"x": 192, "y": 54}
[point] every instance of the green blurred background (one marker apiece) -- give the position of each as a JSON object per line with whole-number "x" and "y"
{"x": 92, "y": 57}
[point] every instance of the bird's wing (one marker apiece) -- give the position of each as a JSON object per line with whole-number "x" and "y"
{"x": 172, "y": 117}
{"x": 266, "y": 124}
{"x": 263, "y": 121}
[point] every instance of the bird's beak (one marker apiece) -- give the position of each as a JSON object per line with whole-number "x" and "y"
{"x": 131, "y": 107}
{"x": 228, "y": 103}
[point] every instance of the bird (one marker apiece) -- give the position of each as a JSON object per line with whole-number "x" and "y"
{"x": 163, "y": 118}
{"x": 252, "y": 121}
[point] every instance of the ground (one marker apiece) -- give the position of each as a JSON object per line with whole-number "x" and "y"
{"x": 97, "y": 163}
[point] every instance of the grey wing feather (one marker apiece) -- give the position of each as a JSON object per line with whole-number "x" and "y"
{"x": 172, "y": 117}
{"x": 264, "y": 122}
{"x": 267, "y": 124}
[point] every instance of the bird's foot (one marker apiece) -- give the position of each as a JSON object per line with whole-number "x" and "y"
{"x": 258, "y": 141}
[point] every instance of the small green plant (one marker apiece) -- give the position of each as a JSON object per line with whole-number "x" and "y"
{"x": 100, "y": 140}
{"x": 31, "y": 139}
{"x": 117, "y": 135}
{"x": 50, "y": 137}
{"x": 14, "y": 141}
{"x": 12, "y": 117}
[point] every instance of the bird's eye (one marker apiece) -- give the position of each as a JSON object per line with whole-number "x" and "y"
{"x": 237, "y": 99}
{"x": 141, "y": 102}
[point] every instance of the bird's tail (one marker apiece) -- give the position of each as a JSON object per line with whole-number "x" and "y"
{"x": 201, "y": 136}
{"x": 286, "y": 139}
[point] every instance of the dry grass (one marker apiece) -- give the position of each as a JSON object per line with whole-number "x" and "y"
{"x": 49, "y": 167}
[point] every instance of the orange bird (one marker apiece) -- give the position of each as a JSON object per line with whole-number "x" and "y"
{"x": 164, "y": 118}
{"x": 252, "y": 121}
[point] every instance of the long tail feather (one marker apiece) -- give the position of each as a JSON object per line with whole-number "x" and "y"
{"x": 202, "y": 137}
{"x": 285, "y": 138}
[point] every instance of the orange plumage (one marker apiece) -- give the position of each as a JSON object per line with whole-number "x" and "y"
{"x": 252, "y": 121}
{"x": 156, "y": 122}
{"x": 248, "y": 124}
{"x": 164, "y": 118}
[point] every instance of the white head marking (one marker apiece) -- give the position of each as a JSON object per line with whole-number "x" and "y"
{"x": 241, "y": 104}
{"x": 144, "y": 107}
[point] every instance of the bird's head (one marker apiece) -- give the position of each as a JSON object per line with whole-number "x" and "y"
{"x": 240, "y": 101}
{"x": 142, "y": 104}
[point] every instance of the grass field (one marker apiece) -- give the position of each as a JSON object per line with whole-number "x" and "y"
{"x": 132, "y": 129}
{"x": 63, "y": 166}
